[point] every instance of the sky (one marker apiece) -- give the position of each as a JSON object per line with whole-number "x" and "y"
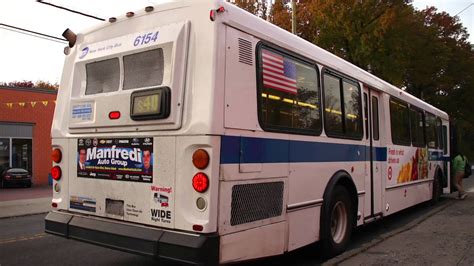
{"x": 24, "y": 57}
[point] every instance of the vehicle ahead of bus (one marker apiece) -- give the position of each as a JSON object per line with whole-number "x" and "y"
{"x": 15, "y": 176}
{"x": 196, "y": 132}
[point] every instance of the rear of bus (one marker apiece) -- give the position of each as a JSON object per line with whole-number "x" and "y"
{"x": 136, "y": 162}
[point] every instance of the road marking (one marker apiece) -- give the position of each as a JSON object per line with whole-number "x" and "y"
{"x": 19, "y": 239}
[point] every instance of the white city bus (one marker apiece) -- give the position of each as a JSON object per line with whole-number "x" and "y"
{"x": 196, "y": 132}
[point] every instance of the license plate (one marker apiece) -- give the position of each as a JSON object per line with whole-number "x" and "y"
{"x": 114, "y": 207}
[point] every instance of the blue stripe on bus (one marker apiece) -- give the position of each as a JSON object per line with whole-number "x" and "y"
{"x": 235, "y": 149}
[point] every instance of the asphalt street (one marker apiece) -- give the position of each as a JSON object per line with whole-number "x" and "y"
{"x": 410, "y": 237}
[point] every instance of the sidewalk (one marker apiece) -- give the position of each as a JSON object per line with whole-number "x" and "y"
{"x": 444, "y": 237}
{"x": 24, "y": 201}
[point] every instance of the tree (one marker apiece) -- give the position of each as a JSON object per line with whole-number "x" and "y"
{"x": 30, "y": 84}
{"x": 280, "y": 14}
{"x": 258, "y": 8}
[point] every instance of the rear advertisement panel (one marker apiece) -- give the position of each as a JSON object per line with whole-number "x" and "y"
{"x": 123, "y": 159}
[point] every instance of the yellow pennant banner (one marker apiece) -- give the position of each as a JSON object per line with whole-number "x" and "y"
{"x": 33, "y": 104}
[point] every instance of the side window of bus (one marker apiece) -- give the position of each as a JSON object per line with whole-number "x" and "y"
{"x": 445, "y": 140}
{"x": 289, "y": 98}
{"x": 400, "y": 122}
{"x": 439, "y": 133}
{"x": 375, "y": 118}
{"x": 102, "y": 76}
{"x": 417, "y": 125}
{"x": 342, "y": 108}
{"x": 366, "y": 115}
{"x": 431, "y": 131}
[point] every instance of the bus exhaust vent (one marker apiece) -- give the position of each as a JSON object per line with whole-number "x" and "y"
{"x": 253, "y": 202}
{"x": 245, "y": 52}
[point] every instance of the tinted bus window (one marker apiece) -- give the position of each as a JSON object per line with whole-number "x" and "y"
{"x": 439, "y": 133}
{"x": 375, "y": 118}
{"x": 445, "y": 140}
{"x": 342, "y": 108}
{"x": 366, "y": 116}
{"x": 431, "y": 134}
{"x": 417, "y": 127}
{"x": 332, "y": 105}
{"x": 400, "y": 123}
{"x": 352, "y": 110}
{"x": 289, "y": 97}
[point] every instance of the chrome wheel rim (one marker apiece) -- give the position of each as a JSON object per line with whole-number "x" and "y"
{"x": 338, "y": 222}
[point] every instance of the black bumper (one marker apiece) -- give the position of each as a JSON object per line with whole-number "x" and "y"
{"x": 174, "y": 246}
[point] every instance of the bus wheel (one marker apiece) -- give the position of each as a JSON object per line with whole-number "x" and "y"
{"x": 337, "y": 223}
{"x": 437, "y": 189}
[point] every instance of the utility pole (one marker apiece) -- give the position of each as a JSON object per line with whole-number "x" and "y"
{"x": 293, "y": 16}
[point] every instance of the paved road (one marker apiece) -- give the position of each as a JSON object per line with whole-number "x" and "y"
{"x": 23, "y": 241}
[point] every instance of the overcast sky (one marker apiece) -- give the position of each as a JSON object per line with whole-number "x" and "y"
{"x": 23, "y": 57}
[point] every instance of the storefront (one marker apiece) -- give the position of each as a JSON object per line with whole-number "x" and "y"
{"x": 25, "y": 125}
{"x": 16, "y": 146}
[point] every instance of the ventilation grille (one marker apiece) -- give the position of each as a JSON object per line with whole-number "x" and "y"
{"x": 245, "y": 52}
{"x": 253, "y": 202}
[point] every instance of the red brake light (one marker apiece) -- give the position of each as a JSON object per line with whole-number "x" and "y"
{"x": 114, "y": 115}
{"x": 200, "y": 182}
{"x": 56, "y": 173}
{"x": 198, "y": 227}
{"x": 7, "y": 176}
{"x": 56, "y": 155}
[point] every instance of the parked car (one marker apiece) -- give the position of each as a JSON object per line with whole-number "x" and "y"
{"x": 15, "y": 176}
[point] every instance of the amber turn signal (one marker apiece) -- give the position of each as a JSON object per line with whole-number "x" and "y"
{"x": 200, "y": 159}
{"x": 56, "y": 155}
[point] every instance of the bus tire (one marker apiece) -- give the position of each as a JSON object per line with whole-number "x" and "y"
{"x": 437, "y": 189}
{"x": 337, "y": 222}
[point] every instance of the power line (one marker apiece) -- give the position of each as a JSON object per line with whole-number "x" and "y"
{"x": 32, "y": 33}
{"x": 70, "y": 10}
{"x": 464, "y": 9}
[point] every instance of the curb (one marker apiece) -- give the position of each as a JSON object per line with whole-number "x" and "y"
{"x": 349, "y": 254}
{"x": 23, "y": 215}
{"x": 16, "y": 208}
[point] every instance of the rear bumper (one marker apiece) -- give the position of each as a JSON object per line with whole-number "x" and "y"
{"x": 12, "y": 181}
{"x": 180, "y": 247}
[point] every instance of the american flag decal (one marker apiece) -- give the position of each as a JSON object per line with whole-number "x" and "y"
{"x": 279, "y": 73}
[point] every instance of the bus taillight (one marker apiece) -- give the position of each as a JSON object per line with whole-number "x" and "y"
{"x": 200, "y": 159}
{"x": 200, "y": 182}
{"x": 56, "y": 155}
{"x": 56, "y": 173}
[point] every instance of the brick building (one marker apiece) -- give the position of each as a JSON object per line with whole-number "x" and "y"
{"x": 26, "y": 115}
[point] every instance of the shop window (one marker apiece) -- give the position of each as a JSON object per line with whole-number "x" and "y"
{"x": 4, "y": 154}
{"x": 22, "y": 154}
